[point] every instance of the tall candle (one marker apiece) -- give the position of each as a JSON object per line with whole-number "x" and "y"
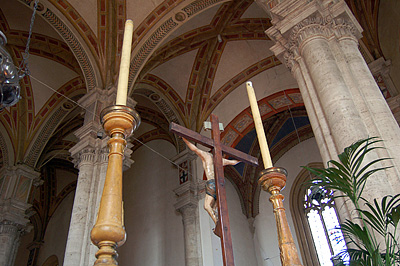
{"x": 262, "y": 140}
{"x": 122, "y": 92}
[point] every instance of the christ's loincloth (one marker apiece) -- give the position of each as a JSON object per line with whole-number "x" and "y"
{"x": 210, "y": 188}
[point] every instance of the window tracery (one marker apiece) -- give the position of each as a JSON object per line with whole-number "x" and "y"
{"x": 316, "y": 222}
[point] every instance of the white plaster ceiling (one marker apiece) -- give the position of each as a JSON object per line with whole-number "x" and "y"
{"x": 144, "y": 101}
{"x": 388, "y": 31}
{"x": 64, "y": 178}
{"x": 237, "y": 56}
{"x": 143, "y": 128}
{"x": 138, "y": 10}
{"x": 176, "y": 72}
{"x": 20, "y": 19}
{"x": 254, "y": 11}
{"x": 52, "y": 74}
{"x": 87, "y": 9}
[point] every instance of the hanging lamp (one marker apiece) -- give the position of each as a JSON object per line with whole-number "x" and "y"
{"x": 10, "y": 75}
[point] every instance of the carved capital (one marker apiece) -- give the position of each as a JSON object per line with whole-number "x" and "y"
{"x": 13, "y": 228}
{"x": 289, "y": 60}
{"x": 314, "y": 26}
{"x": 344, "y": 28}
{"x": 89, "y": 150}
{"x": 298, "y": 21}
{"x": 86, "y": 155}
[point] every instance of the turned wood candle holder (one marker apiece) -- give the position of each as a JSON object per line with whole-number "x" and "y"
{"x": 109, "y": 232}
{"x": 273, "y": 180}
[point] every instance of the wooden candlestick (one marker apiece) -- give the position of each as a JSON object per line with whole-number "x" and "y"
{"x": 109, "y": 232}
{"x": 273, "y": 180}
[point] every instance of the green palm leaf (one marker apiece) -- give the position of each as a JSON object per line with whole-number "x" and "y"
{"x": 349, "y": 176}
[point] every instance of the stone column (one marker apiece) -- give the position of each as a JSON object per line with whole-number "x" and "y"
{"x": 90, "y": 157}
{"x": 15, "y": 189}
{"x": 187, "y": 204}
{"x": 317, "y": 40}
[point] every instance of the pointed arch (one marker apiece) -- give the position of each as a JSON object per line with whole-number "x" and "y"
{"x": 302, "y": 229}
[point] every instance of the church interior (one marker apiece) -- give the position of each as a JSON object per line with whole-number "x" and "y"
{"x": 324, "y": 72}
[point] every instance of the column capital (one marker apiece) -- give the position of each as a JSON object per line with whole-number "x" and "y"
{"x": 297, "y": 21}
{"x": 12, "y": 227}
{"x": 92, "y": 144}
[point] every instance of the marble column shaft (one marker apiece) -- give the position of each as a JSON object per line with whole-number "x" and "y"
{"x": 373, "y": 107}
{"x": 189, "y": 218}
{"x": 188, "y": 205}
{"x": 9, "y": 236}
{"x": 92, "y": 169}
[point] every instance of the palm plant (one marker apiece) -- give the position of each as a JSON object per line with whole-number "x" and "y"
{"x": 372, "y": 234}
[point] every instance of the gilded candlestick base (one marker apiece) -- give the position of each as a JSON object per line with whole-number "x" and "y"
{"x": 119, "y": 119}
{"x": 109, "y": 232}
{"x": 273, "y": 180}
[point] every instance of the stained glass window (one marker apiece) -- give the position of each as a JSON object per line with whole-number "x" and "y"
{"x": 324, "y": 225}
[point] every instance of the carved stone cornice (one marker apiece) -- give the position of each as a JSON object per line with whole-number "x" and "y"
{"x": 16, "y": 185}
{"x": 189, "y": 194}
{"x": 14, "y": 211}
{"x": 183, "y": 156}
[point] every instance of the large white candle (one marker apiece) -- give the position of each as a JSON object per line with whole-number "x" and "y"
{"x": 122, "y": 92}
{"x": 259, "y": 126}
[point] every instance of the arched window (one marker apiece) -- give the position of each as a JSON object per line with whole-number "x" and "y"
{"x": 316, "y": 222}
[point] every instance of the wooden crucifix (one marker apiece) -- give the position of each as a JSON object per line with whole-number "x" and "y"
{"x": 218, "y": 148}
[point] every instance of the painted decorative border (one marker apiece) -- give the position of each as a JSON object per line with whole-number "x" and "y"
{"x": 75, "y": 46}
{"x": 43, "y": 136}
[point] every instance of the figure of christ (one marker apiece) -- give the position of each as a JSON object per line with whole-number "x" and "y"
{"x": 210, "y": 202}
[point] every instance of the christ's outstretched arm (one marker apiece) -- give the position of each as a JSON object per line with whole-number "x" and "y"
{"x": 200, "y": 153}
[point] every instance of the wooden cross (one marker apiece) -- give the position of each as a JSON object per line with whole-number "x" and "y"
{"x": 215, "y": 144}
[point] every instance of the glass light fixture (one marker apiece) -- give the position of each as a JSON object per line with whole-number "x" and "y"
{"x": 9, "y": 77}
